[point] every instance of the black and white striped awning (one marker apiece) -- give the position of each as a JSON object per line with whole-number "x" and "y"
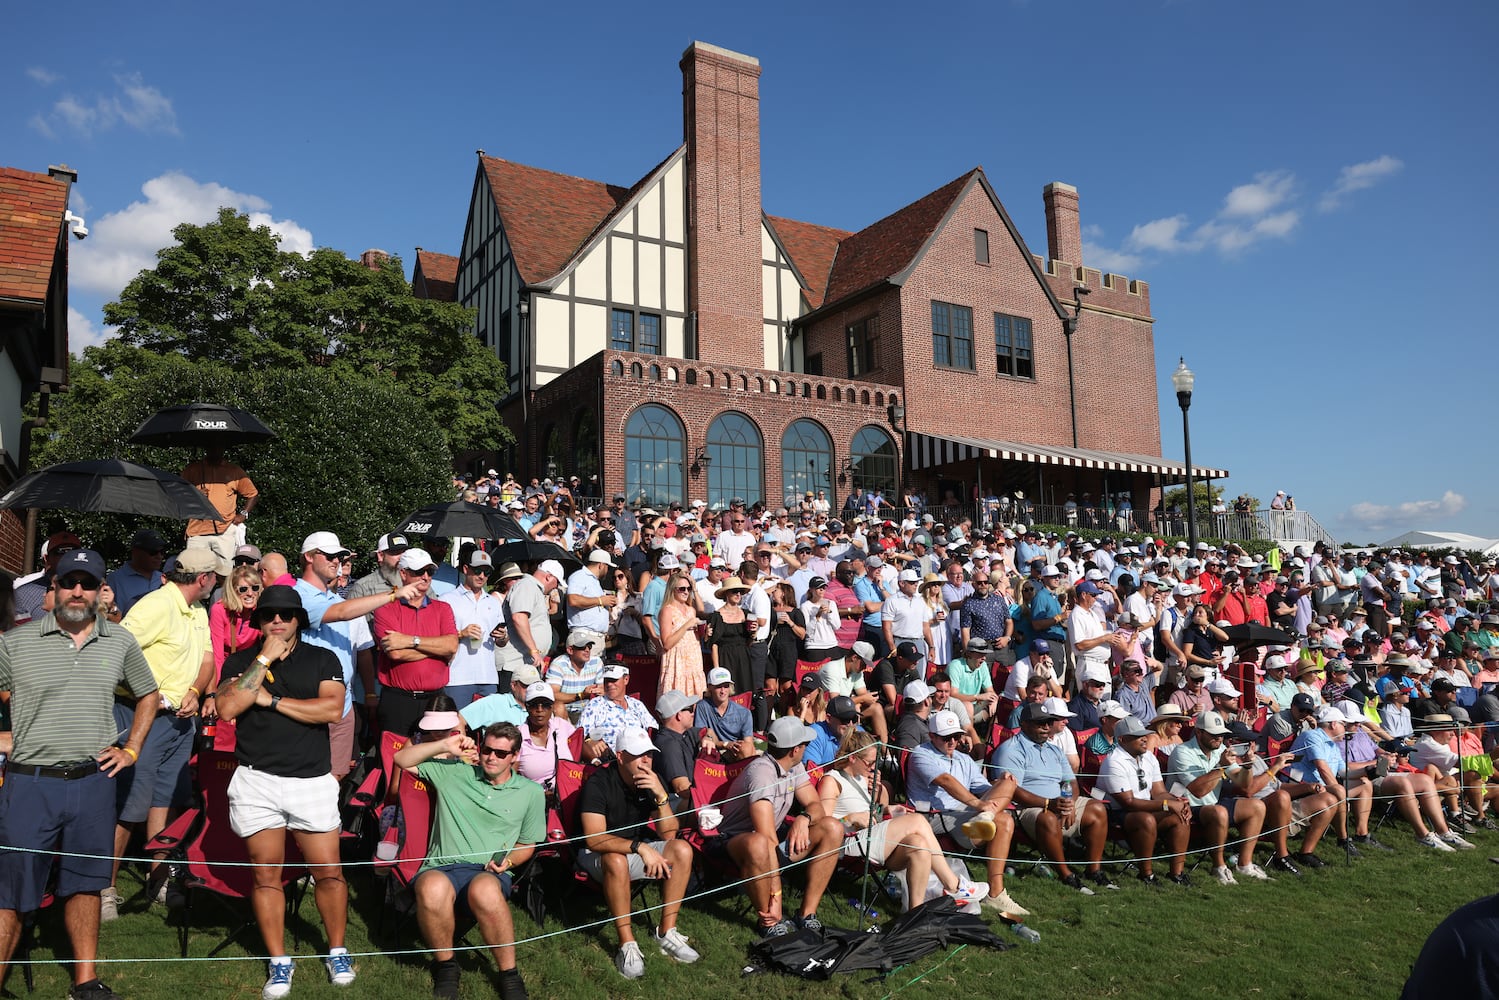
{"x": 925, "y": 451}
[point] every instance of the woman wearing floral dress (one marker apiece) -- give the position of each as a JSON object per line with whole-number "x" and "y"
{"x": 682, "y": 659}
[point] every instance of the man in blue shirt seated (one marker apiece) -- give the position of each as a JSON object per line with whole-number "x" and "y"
{"x": 1197, "y": 769}
{"x": 730, "y": 726}
{"x": 842, "y": 716}
{"x": 1042, "y": 775}
{"x": 950, "y": 788}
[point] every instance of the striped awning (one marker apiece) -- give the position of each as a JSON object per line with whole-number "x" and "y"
{"x": 925, "y": 451}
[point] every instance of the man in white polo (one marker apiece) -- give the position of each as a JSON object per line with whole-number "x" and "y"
{"x": 472, "y": 673}
{"x": 906, "y": 617}
{"x": 588, "y": 604}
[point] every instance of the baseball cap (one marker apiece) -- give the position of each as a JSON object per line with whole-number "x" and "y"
{"x": 634, "y": 741}
{"x": 393, "y": 542}
{"x": 323, "y": 541}
{"x": 1050, "y": 571}
{"x": 672, "y": 702}
{"x": 1040, "y": 646}
{"x": 719, "y": 676}
{"x": 525, "y": 673}
{"x": 789, "y": 732}
{"x": 1129, "y": 726}
{"x": 1029, "y": 712}
{"x": 553, "y": 567}
{"x": 945, "y": 723}
{"x": 578, "y": 638}
{"x": 907, "y": 651}
{"x": 1275, "y": 662}
{"x": 1442, "y": 684}
{"x": 1330, "y": 714}
{"x": 249, "y": 552}
{"x": 539, "y": 691}
{"x": 1111, "y": 709}
{"x": 615, "y": 671}
{"x": 1220, "y": 686}
{"x": 1088, "y": 587}
{"x": 1186, "y": 590}
{"x": 1303, "y": 701}
{"x": 152, "y": 541}
{"x": 842, "y": 708}
{"x": 415, "y": 559}
{"x": 433, "y": 722}
{"x": 476, "y": 559}
{"x": 863, "y": 650}
{"x": 1210, "y": 723}
{"x": 1195, "y": 672}
{"x": 1057, "y": 708}
{"x": 600, "y": 556}
{"x": 917, "y": 691}
{"x": 198, "y": 559}
{"x": 909, "y": 576}
{"x": 90, "y": 562}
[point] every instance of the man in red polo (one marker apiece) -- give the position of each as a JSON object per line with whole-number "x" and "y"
{"x": 416, "y": 639}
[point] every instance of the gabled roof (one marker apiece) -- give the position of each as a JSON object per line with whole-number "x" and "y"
{"x": 884, "y": 249}
{"x": 811, "y": 249}
{"x": 31, "y": 216}
{"x": 439, "y": 273}
{"x": 549, "y": 217}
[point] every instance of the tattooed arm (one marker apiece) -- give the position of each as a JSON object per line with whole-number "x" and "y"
{"x": 237, "y": 694}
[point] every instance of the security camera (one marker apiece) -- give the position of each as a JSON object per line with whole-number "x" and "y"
{"x": 80, "y": 231}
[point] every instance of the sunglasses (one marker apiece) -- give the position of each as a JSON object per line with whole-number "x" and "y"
{"x": 248, "y": 590}
{"x": 277, "y": 615}
{"x": 495, "y": 751}
{"x": 683, "y": 590}
{"x": 427, "y": 571}
{"x": 949, "y": 738}
{"x": 87, "y": 583}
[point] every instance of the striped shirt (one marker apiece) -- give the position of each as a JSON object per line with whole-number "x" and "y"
{"x": 62, "y": 696}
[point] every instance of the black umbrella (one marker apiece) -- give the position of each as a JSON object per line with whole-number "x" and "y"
{"x": 461, "y": 519}
{"x": 1255, "y": 634}
{"x": 110, "y": 485}
{"x": 201, "y": 425}
{"x": 529, "y": 550}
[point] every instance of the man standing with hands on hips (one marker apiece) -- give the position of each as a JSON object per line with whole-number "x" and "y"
{"x": 285, "y": 694}
{"x": 62, "y": 670}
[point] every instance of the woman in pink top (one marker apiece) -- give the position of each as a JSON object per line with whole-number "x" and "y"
{"x": 544, "y": 737}
{"x": 682, "y": 661}
{"x": 229, "y": 626}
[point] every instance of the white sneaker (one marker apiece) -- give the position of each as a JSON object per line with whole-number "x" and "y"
{"x": 278, "y": 984}
{"x": 340, "y": 967}
{"x": 629, "y": 961}
{"x": 969, "y": 892}
{"x": 1005, "y": 905}
{"x": 1253, "y": 871}
{"x": 1224, "y": 876}
{"x": 109, "y": 904}
{"x": 674, "y": 945}
{"x": 1456, "y": 840}
{"x": 1436, "y": 843}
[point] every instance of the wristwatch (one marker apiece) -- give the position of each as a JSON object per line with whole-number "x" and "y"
{"x": 416, "y": 642}
{"x": 275, "y": 703}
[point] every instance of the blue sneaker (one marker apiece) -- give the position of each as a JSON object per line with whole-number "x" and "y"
{"x": 279, "y": 984}
{"x": 340, "y": 967}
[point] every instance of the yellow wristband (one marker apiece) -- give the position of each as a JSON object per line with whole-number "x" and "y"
{"x": 132, "y": 753}
{"x": 195, "y": 691}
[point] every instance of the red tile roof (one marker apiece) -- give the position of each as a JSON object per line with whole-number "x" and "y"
{"x": 887, "y": 247}
{"x": 31, "y": 211}
{"x": 812, "y": 248}
{"x": 439, "y": 273}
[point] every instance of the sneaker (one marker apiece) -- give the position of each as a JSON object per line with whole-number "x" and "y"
{"x": 969, "y": 892}
{"x": 674, "y": 945}
{"x": 629, "y": 961}
{"x": 1181, "y": 879}
{"x": 1283, "y": 863}
{"x": 1253, "y": 871}
{"x": 1349, "y": 847}
{"x": 1367, "y": 840}
{"x": 1074, "y": 882}
{"x": 340, "y": 967}
{"x": 92, "y": 990}
{"x": 512, "y": 987}
{"x": 445, "y": 980}
{"x": 779, "y": 929}
{"x": 809, "y": 923}
{"x": 279, "y": 983}
{"x": 1436, "y": 843}
{"x": 1310, "y": 860}
{"x": 1488, "y": 824}
{"x": 1005, "y": 905}
{"x": 1101, "y": 880}
{"x": 109, "y": 904}
{"x": 981, "y": 829}
{"x": 1456, "y": 840}
{"x": 1152, "y": 880}
{"x": 1224, "y": 876}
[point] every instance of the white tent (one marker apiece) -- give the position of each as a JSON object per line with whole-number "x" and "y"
{"x": 1443, "y": 540}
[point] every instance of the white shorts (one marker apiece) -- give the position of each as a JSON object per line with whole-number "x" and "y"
{"x": 261, "y": 801}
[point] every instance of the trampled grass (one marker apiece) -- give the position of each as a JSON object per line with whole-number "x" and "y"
{"x": 1346, "y": 930}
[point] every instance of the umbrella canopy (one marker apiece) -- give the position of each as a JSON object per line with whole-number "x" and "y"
{"x": 201, "y": 425}
{"x": 461, "y": 519}
{"x": 110, "y": 485}
{"x": 1255, "y": 634}
{"x": 529, "y": 550}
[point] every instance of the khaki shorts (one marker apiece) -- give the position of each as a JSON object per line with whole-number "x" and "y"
{"x": 1028, "y": 818}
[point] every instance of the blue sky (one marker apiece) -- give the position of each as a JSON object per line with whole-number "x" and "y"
{"x": 1307, "y": 187}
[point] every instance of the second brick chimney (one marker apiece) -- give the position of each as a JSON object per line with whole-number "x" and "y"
{"x": 1064, "y": 237}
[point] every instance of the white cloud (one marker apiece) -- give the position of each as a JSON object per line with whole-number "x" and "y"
{"x": 1160, "y": 234}
{"x": 1116, "y": 261}
{"x": 1254, "y": 200}
{"x": 42, "y": 75}
{"x": 1375, "y": 517}
{"x": 133, "y": 103}
{"x": 1359, "y": 176}
{"x": 39, "y": 124}
{"x": 84, "y": 332}
{"x": 123, "y": 243}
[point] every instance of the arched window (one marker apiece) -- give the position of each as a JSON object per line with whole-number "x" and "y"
{"x": 654, "y": 450}
{"x": 585, "y": 463}
{"x": 874, "y": 460}
{"x": 738, "y": 466}
{"x": 806, "y": 460}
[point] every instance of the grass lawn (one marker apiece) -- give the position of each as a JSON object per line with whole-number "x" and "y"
{"x": 1343, "y": 931}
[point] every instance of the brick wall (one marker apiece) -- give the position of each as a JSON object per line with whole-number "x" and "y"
{"x": 828, "y": 336}
{"x": 12, "y": 541}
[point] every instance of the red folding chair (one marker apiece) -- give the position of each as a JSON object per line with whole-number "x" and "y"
{"x": 645, "y": 677}
{"x": 415, "y": 801}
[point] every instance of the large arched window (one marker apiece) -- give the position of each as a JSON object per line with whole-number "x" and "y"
{"x": 586, "y": 450}
{"x": 806, "y": 460}
{"x": 738, "y": 461}
{"x": 874, "y": 461}
{"x": 654, "y": 450}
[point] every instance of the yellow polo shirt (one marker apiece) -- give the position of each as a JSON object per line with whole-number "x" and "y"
{"x": 173, "y": 636}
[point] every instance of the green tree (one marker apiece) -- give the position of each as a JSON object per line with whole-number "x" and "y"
{"x": 227, "y": 293}
{"x": 1202, "y": 494}
{"x": 354, "y": 453}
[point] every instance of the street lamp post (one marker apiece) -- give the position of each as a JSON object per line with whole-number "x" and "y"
{"x": 1183, "y": 380}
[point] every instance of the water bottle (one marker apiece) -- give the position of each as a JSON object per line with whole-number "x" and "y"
{"x": 1025, "y": 933}
{"x": 864, "y": 908}
{"x": 1065, "y": 793}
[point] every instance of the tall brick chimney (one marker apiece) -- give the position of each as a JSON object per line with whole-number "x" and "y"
{"x": 374, "y": 259}
{"x": 1064, "y": 237}
{"x": 721, "y": 126}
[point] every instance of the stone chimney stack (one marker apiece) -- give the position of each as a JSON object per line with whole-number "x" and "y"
{"x": 721, "y": 127}
{"x": 1064, "y": 236}
{"x": 374, "y": 259}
